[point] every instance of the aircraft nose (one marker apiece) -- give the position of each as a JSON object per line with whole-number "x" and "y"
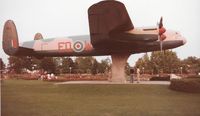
{"x": 184, "y": 41}
{"x": 180, "y": 37}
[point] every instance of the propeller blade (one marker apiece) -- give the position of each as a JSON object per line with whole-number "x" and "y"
{"x": 162, "y": 30}
{"x": 161, "y": 23}
{"x": 162, "y": 37}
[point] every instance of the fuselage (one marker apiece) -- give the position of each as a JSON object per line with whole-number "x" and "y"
{"x": 81, "y": 46}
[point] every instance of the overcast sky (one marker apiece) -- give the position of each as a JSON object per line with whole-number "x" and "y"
{"x": 57, "y": 18}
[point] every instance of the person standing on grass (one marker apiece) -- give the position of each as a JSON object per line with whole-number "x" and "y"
{"x": 138, "y": 74}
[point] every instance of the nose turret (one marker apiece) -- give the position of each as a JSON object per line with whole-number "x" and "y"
{"x": 173, "y": 39}
{"x": 181, "y": 38}
{"x": 184, "y": 41}
{"x": 174, "y": 36}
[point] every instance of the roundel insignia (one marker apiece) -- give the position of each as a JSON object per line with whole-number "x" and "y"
{"x": 78, "y": 46}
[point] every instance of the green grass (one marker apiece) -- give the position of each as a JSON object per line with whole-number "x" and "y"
{"x": 37, "y": 98}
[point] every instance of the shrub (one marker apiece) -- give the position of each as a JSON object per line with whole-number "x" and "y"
{"x": 92, "y": 78}
{"x": 194, "y": 76}
{"x": 160, "y": 78}
{"x": 22, "y": 76}
{"x": 186, "y": 85}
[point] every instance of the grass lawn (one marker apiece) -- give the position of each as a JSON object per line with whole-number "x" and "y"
{"x": 37, "y": 98}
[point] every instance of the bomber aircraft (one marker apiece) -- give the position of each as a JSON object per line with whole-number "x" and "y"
{"x": 111, "y": 33}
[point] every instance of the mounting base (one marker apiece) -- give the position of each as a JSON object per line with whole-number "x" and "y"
{"x": 118, "y": 67}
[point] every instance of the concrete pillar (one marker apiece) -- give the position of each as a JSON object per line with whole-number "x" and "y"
{"x": 118, "y": 67}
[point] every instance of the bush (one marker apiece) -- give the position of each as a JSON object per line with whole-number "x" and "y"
{"x": 194, "y": 76}
{"x": 160, "y": 78}
{"x": 22, "y": 76}
{"x": 186, "y": 85}
{"x": 84, "y": 78}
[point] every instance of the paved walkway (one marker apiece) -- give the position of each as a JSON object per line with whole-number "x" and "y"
{"x": 107, "y": 82}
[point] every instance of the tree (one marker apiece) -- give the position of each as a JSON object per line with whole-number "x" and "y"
{"x": 104, "y": 66}
{"x": 48, "y": 64}
{"x": 84, "y": 64}
{"x": 67, "y": 65}
{"x": 16, "y": 64}
{"x": 58, "y": 65}
{"x": 2, "y": 65}
{"x": 127, "y": 69}
{"x": 91, "y": 65}
{"x": 166, "y": 62}
{"x": 94, "y": 67}
{"x": 191, "y": 65}
{"x": 172, "y": 63}
{"x": 27, "y": 62}
{"x": 144, "y": 63}
{"x": 198, "y": 65}
{"x": 36, "y": 63}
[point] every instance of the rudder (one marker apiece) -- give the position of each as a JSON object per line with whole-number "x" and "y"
{"x": 10, "y": 38}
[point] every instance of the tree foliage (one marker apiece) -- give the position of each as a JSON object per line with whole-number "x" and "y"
{"x": 104, "y": 66}
{"x": 2, "y": 65}
{"x": 67, "y": 65}
{"x": 166, "y": 62}
{"x": 59, "y": 64}
{"x": 157, "y": 62}
{"x": 91, "y": 65}
{"x": 16, "y": 64}
{"x": 48, "y": 64}
{"x": 94, "y": 68}
{"x": 85, "y": 64}
{"x": 191, "y": 65}
{"x": 127, "y": 69}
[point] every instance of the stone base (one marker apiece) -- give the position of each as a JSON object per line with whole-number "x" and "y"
{"x": 118, "y": 67}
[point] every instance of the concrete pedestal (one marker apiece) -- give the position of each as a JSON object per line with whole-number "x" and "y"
{"x": 118, "y": 67}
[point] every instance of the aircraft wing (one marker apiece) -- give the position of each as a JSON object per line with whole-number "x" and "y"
{"x": 110, "y": 24}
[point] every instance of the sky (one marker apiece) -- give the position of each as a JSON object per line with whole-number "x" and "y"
{"x": 57, "y": 18}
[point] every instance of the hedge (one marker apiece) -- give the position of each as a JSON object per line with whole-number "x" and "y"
{"x": 160, "y": 78}
{"x": 77, "y": 79}
{"x": 191, "y": 85}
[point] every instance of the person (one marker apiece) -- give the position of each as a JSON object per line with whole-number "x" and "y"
{"x": 138, "y": 74}
{"x": 131, "y": 75}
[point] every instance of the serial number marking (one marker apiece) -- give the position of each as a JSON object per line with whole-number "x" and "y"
{"x": 77, "y": 46}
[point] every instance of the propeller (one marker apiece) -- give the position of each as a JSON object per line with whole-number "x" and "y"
{"x": 161, "y": 36}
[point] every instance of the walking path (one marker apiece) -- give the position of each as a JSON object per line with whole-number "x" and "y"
{"x": 107, "y": 82}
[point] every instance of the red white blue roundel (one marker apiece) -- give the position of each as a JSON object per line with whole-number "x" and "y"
{"x": 78, "y": 46}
